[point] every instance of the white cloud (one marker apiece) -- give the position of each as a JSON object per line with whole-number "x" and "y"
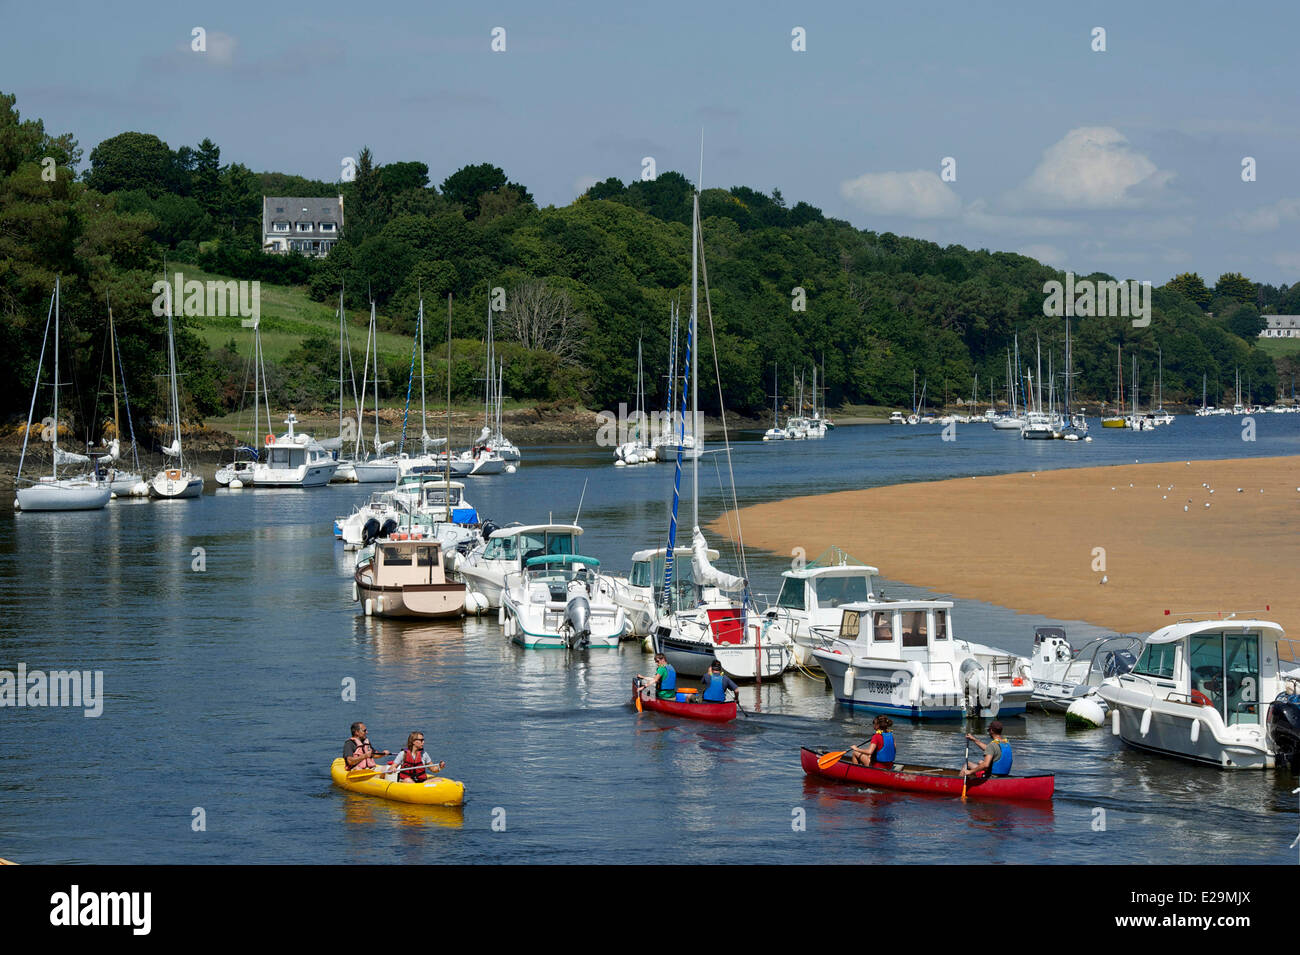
{"x": 1268, "y": 218}
{"x": 221, "y": 47}
{"x": 1092, "y": 167}
{"x": 1047, "y": 254}
{"x": 920, "y": 194}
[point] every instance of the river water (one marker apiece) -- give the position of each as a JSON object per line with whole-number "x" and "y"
{"x": 224, "y": 692}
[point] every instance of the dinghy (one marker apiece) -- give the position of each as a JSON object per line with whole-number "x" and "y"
{"x": 932, "y": 780}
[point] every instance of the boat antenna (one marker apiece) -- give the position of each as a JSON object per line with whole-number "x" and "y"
{"x": 580, "y": 500}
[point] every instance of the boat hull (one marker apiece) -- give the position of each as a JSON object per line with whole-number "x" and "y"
{"x": 435, "y": 791}
{"x": 64, "y": 497}
{"x": 185, "y": 486}
{"x": 428, "y": 601}
{"x": 309, "y": 475}
{"x": 740, "y": 662}
{"x": 932, "y": 780}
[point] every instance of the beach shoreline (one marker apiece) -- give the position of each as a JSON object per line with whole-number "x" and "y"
{"x": 1115, "y": 546}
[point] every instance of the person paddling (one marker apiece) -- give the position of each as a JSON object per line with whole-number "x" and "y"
{"x": 357, "y": 751}
{"x": 664, "y": 682}
{"x": 716, "y": 685}
{"x": 413, "y": 763}
{"x": 880, "y": 748}
{"x": 997, "y": 754}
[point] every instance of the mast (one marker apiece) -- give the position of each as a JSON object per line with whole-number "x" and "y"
{"x": 447, "y": 470}
{"x": 112, "y": 345}
{"x": 695, "y": 371}
{"x": 340, "y": 375}
{"x": 424, "y": 421}
{"x": 56, "y": 376}
{"x": 374, "y": 335}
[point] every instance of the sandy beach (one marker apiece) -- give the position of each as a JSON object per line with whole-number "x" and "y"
{"x": 1113, "y": 546}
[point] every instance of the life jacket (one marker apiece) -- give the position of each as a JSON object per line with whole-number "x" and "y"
{"x": 365, "y": 749}
{"x": 1003, "y": 765}
{"x": 412, "y": 775}
{"x": 885, "y": 753}
{"x": 716, "y": 691}
{"x": 668, "y": 685}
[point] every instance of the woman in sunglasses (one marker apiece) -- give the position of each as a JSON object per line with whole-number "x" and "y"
{"x": 413, "y": 763}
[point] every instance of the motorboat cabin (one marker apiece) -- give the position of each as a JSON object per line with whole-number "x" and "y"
{"x": 812, "y": 601}
{"x": 402, "y": 576}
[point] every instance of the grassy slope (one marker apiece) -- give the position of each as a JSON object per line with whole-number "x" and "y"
{"x": 288, "y": 317}
{"x": 1277, "y": 347}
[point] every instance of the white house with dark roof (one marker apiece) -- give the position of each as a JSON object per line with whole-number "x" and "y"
{"x": 307, "y": 224}
{"x": 1281, "y": 326}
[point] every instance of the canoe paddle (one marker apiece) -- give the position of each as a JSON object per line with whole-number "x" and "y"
{"x": 964, "y": 766}
{"x": 430, "y": 768}
{"x": 830, "y": 759}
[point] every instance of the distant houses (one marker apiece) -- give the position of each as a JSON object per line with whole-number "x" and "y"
{"x": 1281, "y": 326}
{"x": 307, "y": 224}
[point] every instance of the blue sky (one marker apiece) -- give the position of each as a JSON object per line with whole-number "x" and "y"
{"x": 1127, "y": 160}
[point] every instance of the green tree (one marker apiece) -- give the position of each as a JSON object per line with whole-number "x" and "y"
{"x": 1191, "y": 285}
{"x": 1235, "y": 286}
{"x": 134, "y": 161}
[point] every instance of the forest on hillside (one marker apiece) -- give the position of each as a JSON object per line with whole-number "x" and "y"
{"x": 581, "y": 284}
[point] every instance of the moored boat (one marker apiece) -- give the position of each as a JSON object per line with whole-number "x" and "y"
{"x": 931, "y": 780}
{"x": 436, "y": 791}
{"x": 402, "y": 576}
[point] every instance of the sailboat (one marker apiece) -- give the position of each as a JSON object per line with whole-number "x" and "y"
{"x": 481, "y": 459}
{"x": 423, "y": 462}
{"x": 378, "y": 467}
{"x": 669, "y": 443}
{"x": 121, "y": 480}
{"x": 346, "y": 473}
{"x": 1117, "y": 419}
{"x": 1038, "y": 423}
{"x": 1136, "y": 420}
{"x": 1160, "y": 415}
{"x": 776, "y": 432}
{"x": 174, "y": 482}
{"x": 1205, "y": 410}
{"x": 54, "y": 493}
{"x": 1077, "y": 427}
{"x": 291, "y": 459}
{"x": 241, "y": 473}
{"x": 725, "y": 628}
{"x": 1011, "y": 421}
{"x": 638, "y": 449}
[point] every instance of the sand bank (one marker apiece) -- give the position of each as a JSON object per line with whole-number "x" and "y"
{"x": 1113, "y": 546}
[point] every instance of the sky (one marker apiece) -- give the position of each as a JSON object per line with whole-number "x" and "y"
{"x": 1001, "y": 126}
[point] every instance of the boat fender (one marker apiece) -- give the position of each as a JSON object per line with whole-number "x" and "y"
{"x": 368, "y": 606}
{"x": 1114, "y": 722}
{"x": 1196, "y": 730}
{"x": 379, "y": 605}
{"x": 914, "y": 691}
{"x": 501, "y": 615}
{"x": 1145, "y": 727}
{"x": 848, "y": 682}
{"x": 356, "y": 594}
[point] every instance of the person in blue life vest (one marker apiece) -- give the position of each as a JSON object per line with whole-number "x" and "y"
{"x": 997, "y": 754}
{"x": 880, "y": 748}
{"x": 663, "y": 684}
{"x": 716, "y": 685}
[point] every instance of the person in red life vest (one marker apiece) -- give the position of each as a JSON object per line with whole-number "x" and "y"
{"x": 880, "y": 748}
{"x": 997, "y": 754}
{"x": 413, "y": 763}
{"x": 357, "y": 751}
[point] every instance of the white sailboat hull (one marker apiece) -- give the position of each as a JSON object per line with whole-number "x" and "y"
{"x": 179, "y": 485}
{"x": 67, "y": 495}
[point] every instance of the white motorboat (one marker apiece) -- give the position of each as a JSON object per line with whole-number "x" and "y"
{"x": 402, "y": 576}
{"x": 896, "y": 417}
{"x": 813, "y": 598}
{"x": 236, "y": 471}
{"x": 1223, "y": 692}
{"x": 1063, "y": 674}
{"x": 505, "y": 552}
{"x": 52, "y": 493}
{"x": 293, "y": 460}
{"x": 554, "y": 602}
{"x": 902, "y": 658}
{"x": 174, "y": 482}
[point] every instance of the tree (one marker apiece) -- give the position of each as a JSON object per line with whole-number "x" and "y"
{"x": 206, "y": 177}
{"x": 1190, "y": 284}
{"x": 543, "y": 318}
{"x": 1244, "y": 321}
{"x": 134, "y": 161}
{"x": 468, "y": 183}
{"x": 1235, "y": 286}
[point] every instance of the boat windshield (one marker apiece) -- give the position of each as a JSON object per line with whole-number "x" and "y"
{"x": 1156, "y": 660}
{"x": 792, "y": 594}
{"x": 544, "y": 544}
{"x": 1224, "y": 667}
{"x": 835, "y": 591}
{"x": 502, "y": 548}
{"x": 643, "y": 574}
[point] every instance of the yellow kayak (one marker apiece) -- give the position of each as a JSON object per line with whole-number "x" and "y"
{"x": 434, "y": 791}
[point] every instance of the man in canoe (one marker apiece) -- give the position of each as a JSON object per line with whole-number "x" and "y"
{"x": 997, "y": 754}
{"x": 413, "y": 763}
{"x": 880, "y": 748}
{"x": 716, "y": 685}
{"x": 664, "y": 682}
{"x": 357, "y": 751}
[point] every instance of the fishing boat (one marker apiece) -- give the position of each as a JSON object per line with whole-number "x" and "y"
{"x": 684, "y": 706}
{"x": 52, "y": 493}
{"x": 174, "y": 482}
{"x": 402, "y": 576}
{"x": 1063, "y": 674}
{"x": 1224, "y": 692}
{"x": 812, "y": 600}
{"x": 437, "y": 791}
{"x": 554, "y": 603}
{"x": 902, "y": 658}
{"x": 505, "y": 552}
{"x": 931, "y": 780}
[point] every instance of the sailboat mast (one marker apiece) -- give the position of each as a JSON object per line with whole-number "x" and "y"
{"x": 340, "y": 374}
{"x": 424, "y": 427}
{"x": 447, "y": 470}
{"x": 56, "y": 377}
{"x": 112, "y": 346}
{"x": 695, "y": 367}
{"x": 374, "y": 335}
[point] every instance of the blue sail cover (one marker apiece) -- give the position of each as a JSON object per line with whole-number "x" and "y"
{"x": 677, "y": 483}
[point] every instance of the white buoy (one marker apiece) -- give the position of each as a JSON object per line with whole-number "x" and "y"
{"x": 356, "y": 595}
{"x": 1086, "y": 712}
{"x": 511, "y": 469}
{"x": 1196, "y": 730}
{"x": 1145, "y": 726}
{"x": 848, "y": 682}
{"x": 620, "y": 463}
{"x": 236, "y": 484}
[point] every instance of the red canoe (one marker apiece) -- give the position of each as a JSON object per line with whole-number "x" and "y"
{"x": 931, "y": 779}
{"x": 710, "y": 712}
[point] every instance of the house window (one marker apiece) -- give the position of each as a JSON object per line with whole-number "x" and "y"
{"x": 279, "y": 209}
{"x": 327, "y": 226}
{"x": 304, "y": 226}
{"x": 281, "y": 226}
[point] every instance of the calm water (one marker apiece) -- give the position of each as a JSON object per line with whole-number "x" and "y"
{"x": 223, "y": 691}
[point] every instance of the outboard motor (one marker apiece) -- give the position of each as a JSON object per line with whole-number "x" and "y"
{"x": 369, "y": 531}
{"x": 974, "y": 683}
{"x": 1284, "y": 728}
{"x": 1116, "y": 662}
{"x": 577, "y": 617}
{"x": 390, "y": 525}
{"x": 487, "y": 529}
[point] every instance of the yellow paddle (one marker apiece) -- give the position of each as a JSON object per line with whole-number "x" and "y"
{"x": 830, "y": 759}
{"x": 964, "y": 769}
